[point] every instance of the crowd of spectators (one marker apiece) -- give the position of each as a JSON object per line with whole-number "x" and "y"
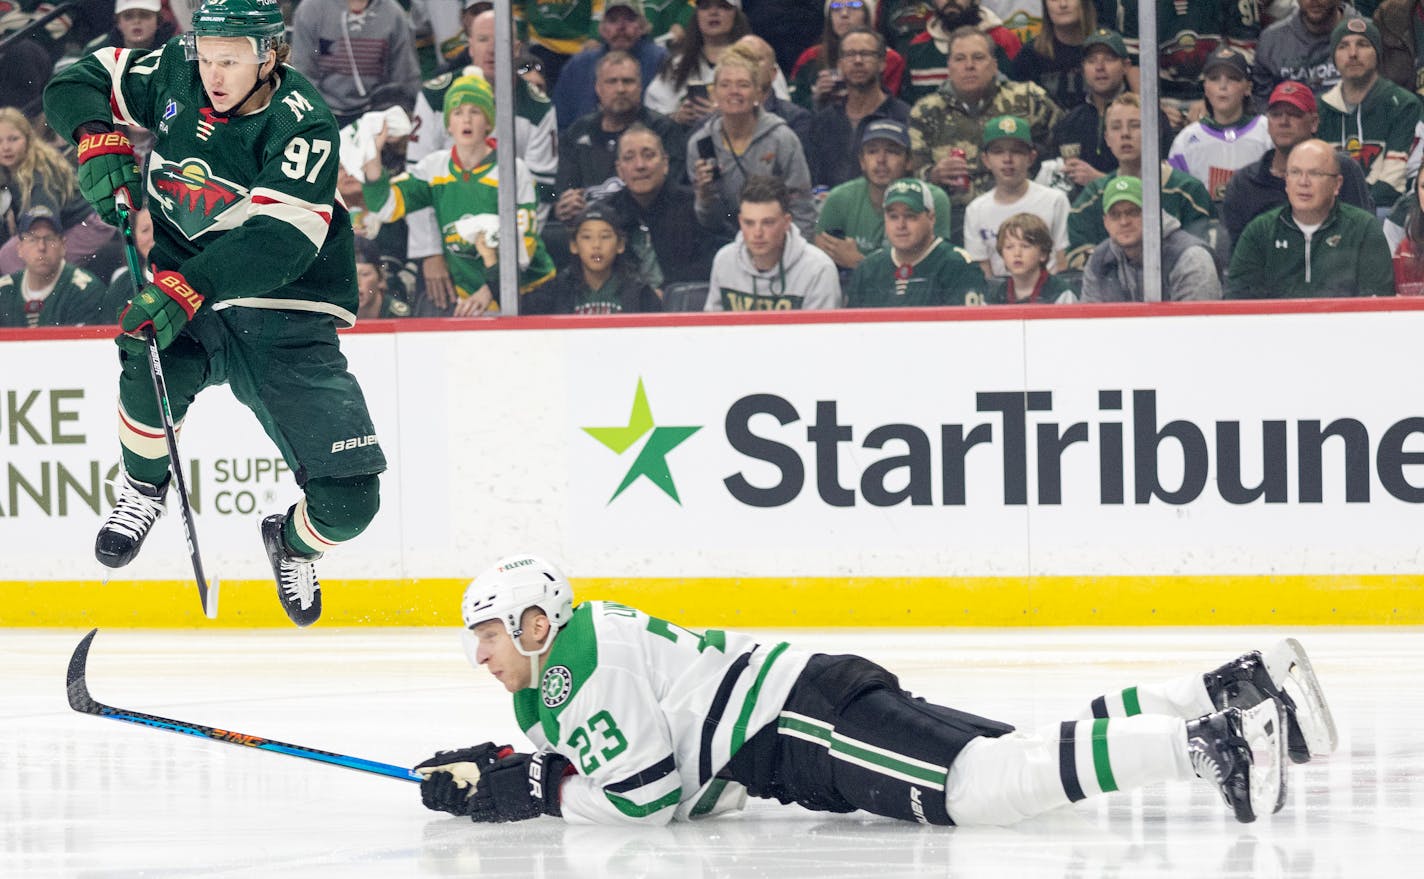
{"x": 785, "y": 154}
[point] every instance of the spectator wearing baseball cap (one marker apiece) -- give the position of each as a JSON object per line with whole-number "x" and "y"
{"x": 1297, "y": 48}
{"x": 1008, "y": 153}
{"x": 138, "y": 24}
{"x": 1114, "y": 272}
{"x": 1231, "y": 135}
{"x": 601, "y": 279}
{"x": 852, "y": 220}
{"x": 1366, "y": 115}
{"x": 49, "y": 291}
{"x": 917, "y": 267}
{"x": 1291, "y": 117}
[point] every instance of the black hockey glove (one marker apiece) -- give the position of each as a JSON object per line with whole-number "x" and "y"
{"x": 520, "y": 786}
{"x": 451, "y": 776}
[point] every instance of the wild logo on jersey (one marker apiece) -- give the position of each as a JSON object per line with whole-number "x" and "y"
{"x": 558, "y": 683}
{"x": 192, "y": 197}
{"x": 1365, "y": 151}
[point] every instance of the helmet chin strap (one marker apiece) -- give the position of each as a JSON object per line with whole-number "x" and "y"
{"x": 534, "y": 654}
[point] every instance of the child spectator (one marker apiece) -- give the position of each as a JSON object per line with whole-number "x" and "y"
{"x": 1009, "y": 154}
{"x": 816, "y": 77}
{"x": 373, "y": 289}
{"x": 601, "y": 280}
{"x": 138, "y": 24}
{"x": 462, "y": 186}
{"x": 1231, "y": 135}
{"x": 1025, "y": 247}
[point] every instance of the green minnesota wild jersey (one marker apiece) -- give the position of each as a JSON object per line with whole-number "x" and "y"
{"x": 244, "y": 207}
{"x": 458, "y": 193}
{"x": 77, "y": 298}
{"x": 650, "y": 712}
{"x": 943, "y": 276}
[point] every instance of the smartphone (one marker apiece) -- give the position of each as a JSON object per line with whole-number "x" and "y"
{"x": 707, "y": 150}
{"x": 697, "y": 92}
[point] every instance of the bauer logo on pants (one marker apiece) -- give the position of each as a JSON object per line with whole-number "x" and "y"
{"x": 356, "y": 442}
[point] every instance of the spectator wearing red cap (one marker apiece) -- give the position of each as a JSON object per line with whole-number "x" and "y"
{"x": 1291, "y": 117}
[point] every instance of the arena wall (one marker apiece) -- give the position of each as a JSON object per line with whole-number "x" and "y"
{"x": 1226, "y": 463}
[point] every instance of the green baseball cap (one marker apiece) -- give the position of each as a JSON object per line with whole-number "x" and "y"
{"x": 1104, "y": 37}
{"x": 1010, "y": 127}
{"x": 1122, "y": 189}
{"x": 914, "y": 194}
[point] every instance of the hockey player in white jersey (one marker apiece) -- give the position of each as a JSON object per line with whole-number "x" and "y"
{"x": 637, "y": 720}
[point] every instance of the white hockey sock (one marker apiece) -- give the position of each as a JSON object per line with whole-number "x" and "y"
{"x": 143, "y": 440}
{"x": 1183, "y": 696}
{"x": 1014, "y": 777}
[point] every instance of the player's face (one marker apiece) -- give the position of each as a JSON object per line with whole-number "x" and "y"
{"x": 1009, "y": 160}
{"x": 642, "y": 163}
{"x": 1123, "y": 222}
{"x": 907, "y": 229}
{"x": 1226, "y": 90}
{"x": 229, "y": 68}
{"x": 495, "y": 650}
{"x": 1355, "y": 57}
{"x": 883, "y": 162}
{"x": 619, "y": 88}
{"x": 1103, "y": 71}
{"x": 971, "y": 65}
{"x": 1020, "y": 257}
{"x": 735, "y": 91}
{"x": 1124, "y": 133}
{"x": 480, "y": 33}
{"x": 596, "y": 244}
{"x": 468, "y": 126}
{"x": 764, "y": 226}
{"x": 1288, "y": 125}
{"x": 138, "y": 26}
{"x": 621, "y": 28}
{"x": 12, "y": 145}
{"x": 42, "y": 250}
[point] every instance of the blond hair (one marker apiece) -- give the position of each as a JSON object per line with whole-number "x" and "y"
{"x": 739, "y": 56}
{"x": 40, "y": 163}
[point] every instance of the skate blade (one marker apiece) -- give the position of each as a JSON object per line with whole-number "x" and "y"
{"x": 1287, "y": 663}
{"x": 1264, "y": 728}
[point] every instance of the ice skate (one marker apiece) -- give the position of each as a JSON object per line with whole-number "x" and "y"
{"x": 121, "y": 536}
{"x": 1282, "y": 672}
{"x": 1242, "y": 752}
{"x": 297, "y": 586}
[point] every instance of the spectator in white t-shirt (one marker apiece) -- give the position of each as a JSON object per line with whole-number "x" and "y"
{"x": 1008, "y": 153}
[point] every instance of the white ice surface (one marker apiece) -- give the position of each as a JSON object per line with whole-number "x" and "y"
{"x": 83, "y": 796}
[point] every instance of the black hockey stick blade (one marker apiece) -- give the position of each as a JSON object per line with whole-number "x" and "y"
{"x": 208, "y": 597}
{"x": 80, "y": 700}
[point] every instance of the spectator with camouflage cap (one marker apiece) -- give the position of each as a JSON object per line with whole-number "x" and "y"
{"x": 952, "y": 119}
{"x": 917, "y": 267}
{"x": 1366, "y": 115}
{"x": 1114, "y": 273}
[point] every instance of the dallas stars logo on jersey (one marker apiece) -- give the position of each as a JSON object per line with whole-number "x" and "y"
{"x": 557, "y": 685}
{"x": 192, "y": 197}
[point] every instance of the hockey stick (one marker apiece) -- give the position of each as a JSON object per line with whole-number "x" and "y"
{"x": 209, "y": 597}
{"x": 81, "y": 701}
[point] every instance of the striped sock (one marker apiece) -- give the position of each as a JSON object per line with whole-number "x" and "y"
{"x": 1183, "y": 696}
{"x": 1105, "y": 755}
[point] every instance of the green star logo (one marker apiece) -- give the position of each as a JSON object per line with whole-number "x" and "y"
{"x": 651, "y": 461}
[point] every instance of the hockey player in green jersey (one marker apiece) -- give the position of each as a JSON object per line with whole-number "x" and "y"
{"x": 636, "y": 720}
{"x": 462, "y": 185}
{"x": 252, "y": 271}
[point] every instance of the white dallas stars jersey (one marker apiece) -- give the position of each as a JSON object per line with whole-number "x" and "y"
{"x": 649, "y": 712}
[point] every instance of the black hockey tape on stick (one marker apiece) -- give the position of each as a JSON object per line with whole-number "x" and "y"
{"x": 80, "y": 700}
{"x": 208, "y": 597}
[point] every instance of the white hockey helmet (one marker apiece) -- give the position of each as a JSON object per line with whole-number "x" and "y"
{"x": 511, "y": 586}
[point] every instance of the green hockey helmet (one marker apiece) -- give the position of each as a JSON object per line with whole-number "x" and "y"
{"x": 260, "y": 20}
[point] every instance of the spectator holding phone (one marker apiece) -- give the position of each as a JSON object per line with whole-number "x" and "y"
{"x": 680, "y": 88}
{"x": 817, "y": 78}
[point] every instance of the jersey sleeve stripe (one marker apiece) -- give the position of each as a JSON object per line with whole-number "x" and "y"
{"x": 739, "y": 731}
{"x": 661, "y": 769}
{"x": 115, "y": 61}
{"x": 714, "y": 716}
{"x": 633, "y": 810}
{"x": 310, "y": 220}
